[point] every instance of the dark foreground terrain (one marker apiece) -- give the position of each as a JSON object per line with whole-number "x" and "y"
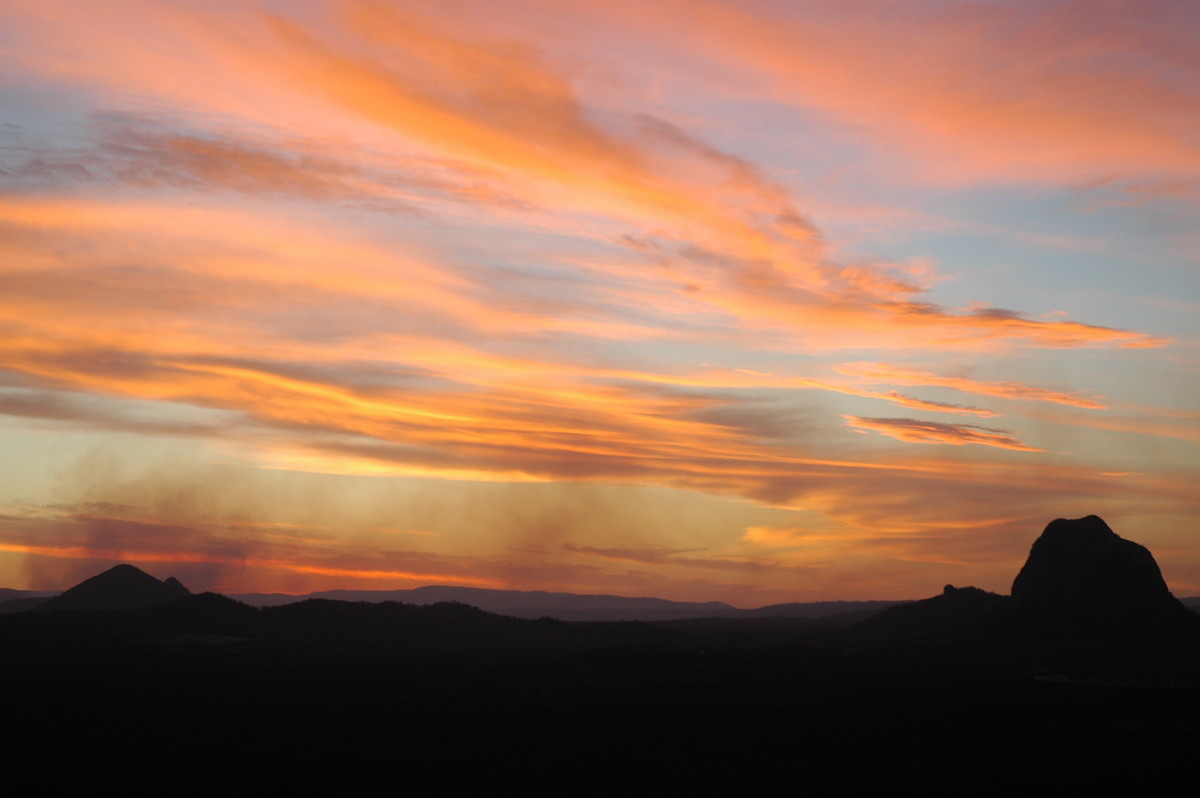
{"x": 967, "y": 692}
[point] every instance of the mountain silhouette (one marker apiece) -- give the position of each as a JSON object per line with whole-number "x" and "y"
{"x": 122, "y": 587}
{"x": 1081, "y": 579}
{"x": 534, "y": 604}
{"x": 1081, "y": 572}
{"x": 957, "y": 610}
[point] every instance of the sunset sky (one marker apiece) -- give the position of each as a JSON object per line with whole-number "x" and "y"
{"x": 754, "y": 301}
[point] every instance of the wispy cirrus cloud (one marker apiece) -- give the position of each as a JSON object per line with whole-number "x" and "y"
{"x": 1030, "y": 96}
{"x": 515, "y": 117}
{"x": 149, "y": 152}
{"x": 911, "y": 430}
{"x": 883, "y": 372}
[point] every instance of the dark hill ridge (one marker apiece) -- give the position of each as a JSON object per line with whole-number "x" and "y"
{"x": 538, "y": 604}
{"x": 578, "y": 607}
{"x": 336, "y": 696}
{"x": 122, "y": 587}
{"x": 957, "y": 610}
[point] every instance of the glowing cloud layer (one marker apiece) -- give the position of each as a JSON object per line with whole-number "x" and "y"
{"x": 522, "y": 257}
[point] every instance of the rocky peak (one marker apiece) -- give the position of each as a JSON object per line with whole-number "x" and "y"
{"x": 173, "y": 585}
{"x": 121, "y": 587}
{"x": 1080, "y": 568}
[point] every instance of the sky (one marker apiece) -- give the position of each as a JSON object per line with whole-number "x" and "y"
{"x": 753, "y": 301}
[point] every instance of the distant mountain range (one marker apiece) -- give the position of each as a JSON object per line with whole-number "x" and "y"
{"x": 138, "y": 591}
{"x": 1075, "y": 566}
{"x": 577, "y": 607}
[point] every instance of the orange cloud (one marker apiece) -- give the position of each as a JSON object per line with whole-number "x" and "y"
{"x": 897, "y": 398}
{"x": 186, "y": 558}
{"x": 727, "y": 236}
{"x": 882, "y": 372}
{"x": 438, "y": 406}
{"x": 913, "y": 431}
